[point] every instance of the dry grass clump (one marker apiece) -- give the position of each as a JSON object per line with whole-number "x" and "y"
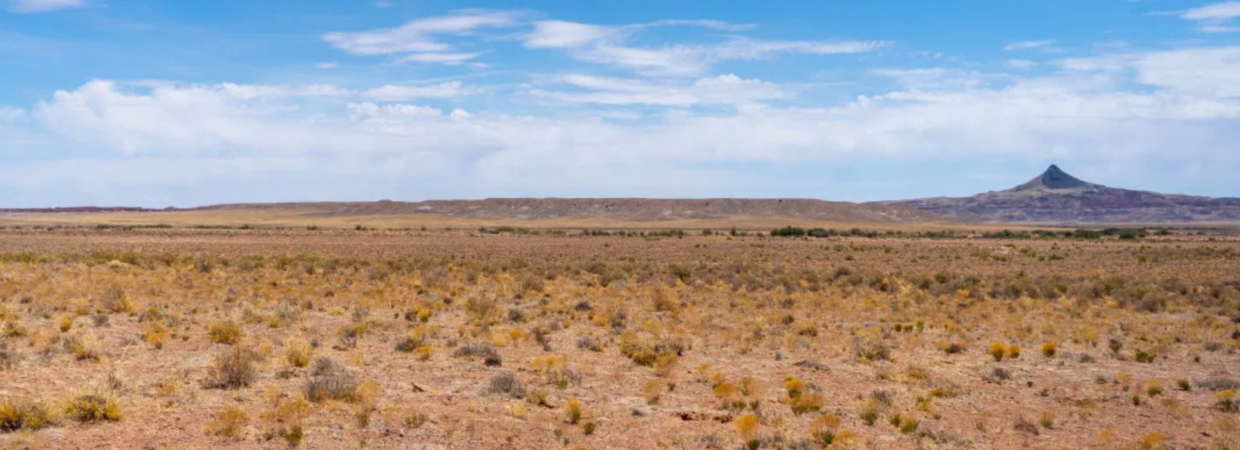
{"x": 573, "y": 412}
{"x": 298, "y": 353}
{"x": 8, "y": 359}
{"x": 13, "y": 329}
{"x": 17, "y": 415}
{"x": 233, "y": 368}
{"x": 96, "y": 406}
{"x": 489, "y": 356}
{"x": 113, "y": 300}
{"x": 225, "y": 332}
{"x": 82, "y": 348}
{"x": 871, "y": 349}
{"x": 651, "y": 352}
{"x": 1227, "y": 401}
{"x": 331, "y": 381}
{"x": 229, "y": 423}
{"x": 507, "y": 384}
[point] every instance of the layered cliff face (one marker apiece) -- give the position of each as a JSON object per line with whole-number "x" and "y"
{"x": 1057, "y": 197}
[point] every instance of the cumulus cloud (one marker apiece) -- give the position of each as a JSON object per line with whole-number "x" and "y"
{"x": 172, "y": 134}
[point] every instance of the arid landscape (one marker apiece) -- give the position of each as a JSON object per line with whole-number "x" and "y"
{"x": 619, "y": 225}
{"x": 194, "y": 338}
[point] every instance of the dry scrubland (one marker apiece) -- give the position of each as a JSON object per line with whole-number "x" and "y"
{"x": 168, "y": 339}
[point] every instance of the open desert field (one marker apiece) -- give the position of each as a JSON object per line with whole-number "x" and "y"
{"x": 386, "y": 339}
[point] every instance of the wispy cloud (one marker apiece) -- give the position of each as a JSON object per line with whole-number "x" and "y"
{"x": 711, "y": 24}
{"x": 937, "y": 78}
{"x": 1021, "y": 64}
{"x": 447, "y": 59}
{"x": 609, "y": 46}
{"x": 421, "y": 41}
{"x": 561, "y": 34}
{"x": 34, "y": 6}
{"x": 1215, "y": 18}
{"x": 722, "y": 90}
{"x": 419, "y": 35}
{"x": 402, "y": 93}
{"x": 1044, "y": 45}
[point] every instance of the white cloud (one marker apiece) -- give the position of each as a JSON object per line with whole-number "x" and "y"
{"x": 1214, "y": 70}
{"x": 721, "y": 90}
{"x": 419, "y": 42}
{"x": 447, "y": 59}
{"x": 384, "y": 4}
{"x": 419, "y": 35}
{"x": 1020, "y": 64}
{"x": 315, "y": 138}
{"x": 327, "y": 65}
{"x": 711, "y": 24}
{"x": 400, "y": 93}
{"x": 607, "y": 45}
{"x": 755, "y": 49}
{"x": 33, "y": 6}
{"x": 1214, "y": 18}
{"x": 1219, "y": 29}
{"x": 390, "y": 113}
{"x": 1031, "y": 45}
{"x": 935, "y": 78}
{"x": 561, "y": 34}
{"x": 1217, "y": 11}
{"x": 10, "y": 113}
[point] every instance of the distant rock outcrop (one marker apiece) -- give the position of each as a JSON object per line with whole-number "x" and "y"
{"x": 1057, "y": 197}
{"x": 1054, "y": 179}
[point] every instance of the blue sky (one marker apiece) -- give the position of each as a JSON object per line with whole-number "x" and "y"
{"x": 157, "y": 103}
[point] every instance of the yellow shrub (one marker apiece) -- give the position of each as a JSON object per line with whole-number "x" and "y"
{"x": 1049, "y": 349}
{"x": 997, "y": 350}
{"x": 794, "y": 387}
{"x": 94, "y": 407}
{"x": 229, "y": 423}
{"x": 225, "y": 332}
{"x": 1013, "y": 351}
{"x": 573, "y": 412}
{"x": 423, "y": 353}
{"x": 746, "y": 425}
{"x": 299, "y": 353}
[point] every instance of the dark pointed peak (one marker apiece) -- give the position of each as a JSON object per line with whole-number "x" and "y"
{"x": 1054, "y": 178}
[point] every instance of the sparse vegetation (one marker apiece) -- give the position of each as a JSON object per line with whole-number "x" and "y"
{"x": 478, "y": 336}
